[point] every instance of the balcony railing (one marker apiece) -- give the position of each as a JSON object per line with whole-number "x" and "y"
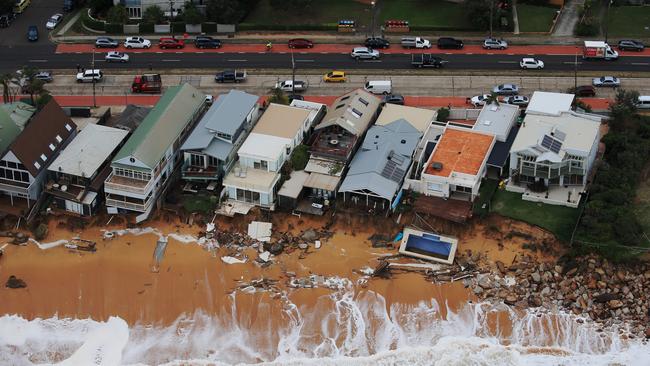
{"x": 128, "y": 205}
{"x": 200, "y": 172}
{"x": 119, "y": 183}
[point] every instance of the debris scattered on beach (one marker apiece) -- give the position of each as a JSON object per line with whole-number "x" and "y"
{"x": 260, "y": 231}
{"x": 232, "y": 260}
{"x": 15, "y": 282}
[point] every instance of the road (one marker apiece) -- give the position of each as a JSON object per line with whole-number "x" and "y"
{"x": 13, "y": 39}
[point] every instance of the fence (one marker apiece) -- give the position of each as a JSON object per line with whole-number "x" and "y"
{"x": 464, "y": 113}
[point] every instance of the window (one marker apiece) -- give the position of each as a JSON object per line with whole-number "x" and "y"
{"x": 262, "y": 164}
{"x": 52, "y": 147}
{"x": 58, "y": 138}
{"x": 363, "y": 101}
{"x": 344, "y": 98}
{"x": 224, "y": 136}
{"x": 21, "y": 166}
{"x": 356, "y": 112}
{"x": 340, "y": 105}
{"x": 12, "y": 165}
{"x": 3, "y": 163}
{"x": 68, "y": 127}
{"x": 434, "y": 187}
{"x": 43, "y": 157}
{"x": 37, "y": 165}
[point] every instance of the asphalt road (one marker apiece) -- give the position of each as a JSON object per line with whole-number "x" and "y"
{"x": 14, "y": 37}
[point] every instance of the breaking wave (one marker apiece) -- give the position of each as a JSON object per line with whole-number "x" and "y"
{"x": 341, "y": 329}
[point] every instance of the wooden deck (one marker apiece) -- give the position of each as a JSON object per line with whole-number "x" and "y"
{"x": 449, "y": 209}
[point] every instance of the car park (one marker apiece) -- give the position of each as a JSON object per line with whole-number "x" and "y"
{"x": 583, "y": 91}
{"x": 478, "y": 100}
{"x": 300, "y": 43}
{"x": 450, "y": 43}
{"x": 376, "y": 42}
{"x": 531, "y": 63}
{"x": 518, "y": 100}
{"x": 506, "y": 89}
{"x": 495, "y": 44}
{"x": 606, "y": 81}
{"x": 393, "y": 99}
{"x": 137, "y": 42}
{"x": 54, "y": 21}
{"x": 364, "y": 53}
{"x": 115, "y": 56}
{"x": 335, "y": 77}
{"x": 206, "y": 42}
{"x": 87, "y": 76}
{"x": 106, "y": 42}
{"x": 32, "y": 33}
{"x": 630, "y": 45}
{"x": 171, "y": 42}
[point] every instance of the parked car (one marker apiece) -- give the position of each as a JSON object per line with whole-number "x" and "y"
{"x": 209, "y": 99}
{"x": 393, "y": 99}
{"x": 6, "y": 20}
{"x": 495, "y": 43}
{"x": 606, "y": 81}
{"x": 518, "y": 100}
{"x": 230, "y": 76}
{"x": 290, "y": 85}
{"x": 137, "y": 42}
{"x": 171, "y": 42}
{"x": 44, "y": 76}
{"x": 478, "y": 100}
{"x": 583, "y": 91}
{"x": 54, "y": 21}
{"x": 88, "y": 76}
{"x": 630, "y": 45}
{"x": 106, "y": 42}
{"x": 364, "y": 53}
{"x": 300, "y": 43}
{"x": 506, "y": 89}
{"x": 376, "y": 42}
{"x": 293, "y": 97}
{"x": 427, "y": 60}
{"x": 115, "y": 56}
{"x": 335, "y": 77}
{"x": 450, "y": 43}
{"x": 32, "y": 33}
{"x": 206, "y": 42}
{"x": 531, "y": 63}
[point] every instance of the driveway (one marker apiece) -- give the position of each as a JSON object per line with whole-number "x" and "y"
{"x": 568, "y": 18}
{"x": 37, "y": 13}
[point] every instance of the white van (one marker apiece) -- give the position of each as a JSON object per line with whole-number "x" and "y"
{"x": 379, "y": 86}
{"x": 643, "y": 102}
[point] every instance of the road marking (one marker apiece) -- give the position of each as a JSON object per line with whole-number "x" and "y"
{"x": 37, "y": 60}
{"x": 178, "y": 52}
{"x": 371, "y": 60}
{"x": 640, "y": 63}
{"x": 237, "y": 60}
{"x": 170, "y": 60}
{"x": 305, "y": 60}
{"x": 507, "y": 62}
{"x": 158, "y": 51}
{"x": 200, "y": 52}
{"x": 571, "y": 63}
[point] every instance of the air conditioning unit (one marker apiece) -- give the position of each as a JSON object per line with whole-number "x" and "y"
{"x": 435, "y": 165}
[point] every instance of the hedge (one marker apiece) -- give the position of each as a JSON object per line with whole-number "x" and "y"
{"x": 178, "y": 27}
{"x": 287, "y": 27}
{"x": 91, "y": 23}
{"x": 437, "y": 28}
{"x": 146, "y": 27}
{"x": 209, "y": 27}
{"x": 114, "y": 28}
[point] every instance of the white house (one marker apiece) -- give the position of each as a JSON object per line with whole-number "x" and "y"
{"x": 501, "y": 121}
{"x": 253, "y": 181}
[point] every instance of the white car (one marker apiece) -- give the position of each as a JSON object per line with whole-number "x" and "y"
{"x": 53, "y": 21}
{"x": 137, "y": 42}
{"x": 495, "y": 43}
{"x": 479, "y": 100}
{"x": 289, "y": 85}
{"x": 364, "y": 53}
{"x": 607, "y": 81}
{"x": 531, "y": 63}
{"x": 115, "y": 56}
{"x": 518, "y": 100}
{"x": 88, "y": 76}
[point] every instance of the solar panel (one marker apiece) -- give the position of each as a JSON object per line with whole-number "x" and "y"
{"x": 551, "y": 143}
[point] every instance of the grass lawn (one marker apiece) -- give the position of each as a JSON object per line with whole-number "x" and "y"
{"x": 629, "y": 21}
{"x": 642, "y": 204}
{"x": 199, "y": 203}
{"x": 485, "y": 193}
{"x": 534, "y": 18}
{"x": 424, "y": 13}
{"x": 319, "y": 12}
{"x": 559, "y": 220}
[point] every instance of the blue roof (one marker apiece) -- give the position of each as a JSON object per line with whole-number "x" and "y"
{"x": 501, "y": 149}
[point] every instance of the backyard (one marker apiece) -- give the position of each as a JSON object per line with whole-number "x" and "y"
{"x": 559, "y": 220}
{"x": 533, "y": 18}
{"x": 199, "y": 203}
{"x": 629, "y": 21}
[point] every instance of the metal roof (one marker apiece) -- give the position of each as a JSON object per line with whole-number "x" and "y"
{"x": 550, "y": 103}
{"x": 163, "y": 125}
{"x": 497, "y": 119}
{"x": 13, "y": 118}
{"x": 501, "y": 149}
{"x": 419, "y": 118}
{"x": 353, "y": 111}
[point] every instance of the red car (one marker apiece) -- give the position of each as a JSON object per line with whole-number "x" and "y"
{"x": 300, "y": 43}
{"x": 171, "y": 43}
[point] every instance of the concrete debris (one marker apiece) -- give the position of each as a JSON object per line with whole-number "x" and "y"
{"x": 232, "y": 260}
{"x": 266, "y": 256}
{"x": 260, "y": 231}
{"x": 317, "y": 244}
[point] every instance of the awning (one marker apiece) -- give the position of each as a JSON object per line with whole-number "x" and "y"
{"x": 322, "y": 181}
{"x": 293, "y": 186}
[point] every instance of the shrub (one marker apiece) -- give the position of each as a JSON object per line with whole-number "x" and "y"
{"x": 92, "y": 23}
{"x": 288, "y": 27}
{"x": 300, "y": 157}
{"x": 114, "y": 28}
{"x": 117, "y": 14}
{"x": 209, "y": 27}
{"x": 40, "y": 232}
{"x": 443, "y": 115}
{"x": 178, "y": 27}
{"x": 586, "y": 28}
{"x": 146, "y": 27}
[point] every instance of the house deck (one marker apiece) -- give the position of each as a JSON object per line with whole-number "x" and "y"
{"x": 450, "y": 209}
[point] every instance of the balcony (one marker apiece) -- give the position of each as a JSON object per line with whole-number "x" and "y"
{"x": 13, "y": 186}
{"x": 332, "y": 145}
{"x": 124, "y": 184}
{"x": 65, "y": 190}
{"x": 128, "y": 203}
{"x": 196, "y": 172}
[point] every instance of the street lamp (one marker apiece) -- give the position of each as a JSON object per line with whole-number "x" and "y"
{"x": 607, "y": 19}
{"x": 92, "y": 68}
{"x": 491, "y": 7}
{"x": 575, "y": 73}
{"x": 372, "y": 18}
{"x": 293, "y": 75}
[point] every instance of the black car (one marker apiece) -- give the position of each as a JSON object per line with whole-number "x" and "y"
{"x": 293, "y": 97}
{"x": 206, "y": 42}
{"x": 450, "y": 43}
{"x": 6, "y": 19}
{"x": 583, "y": 91}
{"x": 630, "y": 45}
{"x": 106, "y": 42}
{"x": 393, "y": 99}
{"x": 376, "y": 42}
{"x": 32, "y": 33}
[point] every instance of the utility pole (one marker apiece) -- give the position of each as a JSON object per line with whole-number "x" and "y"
{"x": 372, "y": 17}
{"x": 491, "y": 7}
{"x": 575, "y": 72}
{"x": 609, "y": 4}
{"x": 171, "y": 10}
{"x": 293, "y": 75}
{"x": 94, "y": 79}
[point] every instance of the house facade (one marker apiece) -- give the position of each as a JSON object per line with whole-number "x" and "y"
{"x": 253, "y": 180}
{"x": 23, "y": 166}
{"x": 211, "y": 149}
{"x": 142, "y": 168}
{"x": 76, "y": 176}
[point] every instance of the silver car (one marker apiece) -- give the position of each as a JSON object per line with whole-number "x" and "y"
{"x": 607, "y": 81}
{"x": 115, "y": 56}
{"x": 518, "y": 100}
{"x": 364, "y": 53}
{"x": 506, "y": 89}
{"x": 53, "y": 21}
{"x": 495, "y": 44}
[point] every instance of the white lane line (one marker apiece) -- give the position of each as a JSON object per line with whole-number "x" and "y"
{"x": 305, "y": 60}
{"x": 37, "y": 60}
{"x": 170, "y": 60}
{"x": 371, "y": 60}
{"x": 158, "y": 51}
{"x": 571, "y": 63}
{"x": 640, "y": 63}
{"x": 507, "y": 62}
{"x": 237, "y": 60}
{"x": 200, "y": 52}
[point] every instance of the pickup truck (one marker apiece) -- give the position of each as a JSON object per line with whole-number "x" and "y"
{"x": 415, "y": 42}
{"x": 288, "y": 85}
{"x": 427, "y": 60}
{"x": 147, "y": 83}
{"x": 230, "y": 76}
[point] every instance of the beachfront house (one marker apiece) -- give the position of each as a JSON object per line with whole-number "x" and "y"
{"x": 253, "y": 180}
{"x": 23, "y": 166}
{"x": 554, "y": 152}
{"x": 499, "y": 119}
{"x": 76, "y": 176}
{"x": 211, "y": 148}
{"x": 377, "y": 170}
{"x": 142, "y": 168}
{"x": 335, "y": 140}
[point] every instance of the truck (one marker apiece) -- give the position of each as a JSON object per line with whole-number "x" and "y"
{"x": 230, "y": 76}
{"x": 427, "y": 60}
{"x": 598, "y": 50}
{"x": 147, "y": 83}
{"x": 415, "y": 42}
{"x": 290, "y": 85}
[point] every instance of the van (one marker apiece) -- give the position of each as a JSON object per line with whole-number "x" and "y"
{"x": 379, "y": 86}
{"x": 20, "y": 6}
{"x": 643, "y": 102}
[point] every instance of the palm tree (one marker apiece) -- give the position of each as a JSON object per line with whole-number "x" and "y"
{"x": 277, "y": 96}
{"x": 493, "y": 98}
{"x": 5, "y": 79}
{"x": 34, "y": 87}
